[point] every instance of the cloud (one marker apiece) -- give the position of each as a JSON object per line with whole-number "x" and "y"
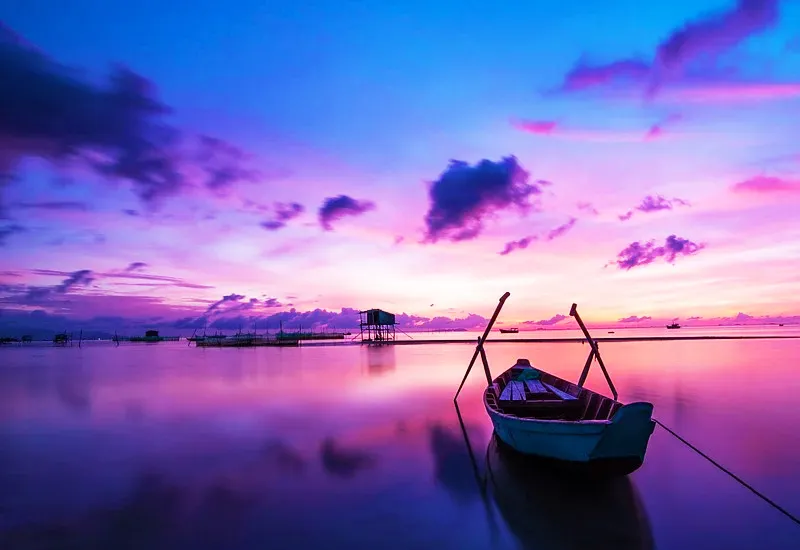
{"x": 639, "y": 254}
{"x": 118, "y": 129}
{"x": 635, "y": 319}
{"x": 152, "y": 280}
{"x": 588, "y": 208}
{"x": 693, "y": 318}
{"x": 74, "y": 206}
{"x": 767, "y": 185}
{"x": 464, "y": 196}
{"x": 224, "y": 299}
{"x": 83, "y": 277}
{"x": 561, "y": 230}
{"x": 535, "y": 126}
{"x": 336, "y": 208}
{"x": 224, "y": 164}
{"x": 654, "y": 204}
{"x": 676, "y": 58}
{"x": 9, "y": 230}
{"x": 26, "y": 295}
{"x": 555, "y": 319}
{"x": 398, "y": 239}
{"x": 283, "y": 212}
{"x": 521, "y": 244}
{"x": 658, "y": 129}
{"x": 130, "y": 212}
{"x": 135, "y": 266}
{"x": 586, "y": 75}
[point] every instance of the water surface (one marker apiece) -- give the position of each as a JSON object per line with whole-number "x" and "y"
{"x": 166, "y": 446}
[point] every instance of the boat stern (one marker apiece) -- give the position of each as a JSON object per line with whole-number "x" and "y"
{"x": 628, "y": 433}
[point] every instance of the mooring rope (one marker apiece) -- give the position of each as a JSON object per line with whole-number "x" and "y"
{"x": 742, "y": 482}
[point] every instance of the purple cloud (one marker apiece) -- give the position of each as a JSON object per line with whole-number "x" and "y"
{"x": 561, "y": 229}
{"x": 555, "y": 319}
{"x": 223, "y": 300}
{"x": 521, "y": 244}
{"x": 284, "y": 212}
{"x": 541, "y": 127}
{"x": 639, "y": 254}
{"x": 117, "y": 129}
{"x": 588, "y": 208}
{"x": 465, "y": 195}
{"x": 335, "y": 208}
{"x": 75, "y": 206}
{"x": 658, "y": 129}
{"x": 224, "y": 164}
{"x": 398, "y": 239}
{"x": 585, "y": 75}
{"x": 83, "y": 277}
{"x": 701, "y": 40}
{"x": 635, "y": 319}
{"x": 135, "y": 266}
{"x": 654, "y": 204}
{"x": 8, "y": 231}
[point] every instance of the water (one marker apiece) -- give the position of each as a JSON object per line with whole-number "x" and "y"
{"x": 166, "y": 446}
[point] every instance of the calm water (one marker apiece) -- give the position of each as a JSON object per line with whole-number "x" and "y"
{"x": 165, "y": 446}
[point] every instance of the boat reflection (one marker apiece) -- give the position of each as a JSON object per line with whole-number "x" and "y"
{"x": 546, "y": 508}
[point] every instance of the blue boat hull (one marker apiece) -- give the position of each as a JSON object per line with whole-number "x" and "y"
{"x": 615, "y": 446}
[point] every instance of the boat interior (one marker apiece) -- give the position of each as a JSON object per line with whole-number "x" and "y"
{"x": 527, "y": 392}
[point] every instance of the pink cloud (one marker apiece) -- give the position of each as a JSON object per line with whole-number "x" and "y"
{"x": 535, "y": 126}
{"x": 733, "y": 92}
{"x": 657, "y": 130}
{"x": 767, "y": 184}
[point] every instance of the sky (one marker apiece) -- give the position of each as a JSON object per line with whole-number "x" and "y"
{"x": 182, "y": 164}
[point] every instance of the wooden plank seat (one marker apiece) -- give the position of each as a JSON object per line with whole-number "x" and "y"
{"x": 536, "y": 387}
{"x": 514, "y": 391}
{"x": 562, "y": 394}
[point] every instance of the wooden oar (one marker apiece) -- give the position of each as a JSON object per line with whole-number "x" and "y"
{"x": 481, "y": 340}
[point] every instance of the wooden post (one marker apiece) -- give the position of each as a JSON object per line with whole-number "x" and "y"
{"x": 481, "y": 340}
{"x": 574, "y": 313}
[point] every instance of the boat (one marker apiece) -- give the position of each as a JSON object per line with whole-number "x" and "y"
{"x": 540, "y": 414}
{"x": 512, "y": 330}
{"x": 673, "y": 325}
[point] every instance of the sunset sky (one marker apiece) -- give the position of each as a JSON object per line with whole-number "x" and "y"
{"x": 176, "y": 164}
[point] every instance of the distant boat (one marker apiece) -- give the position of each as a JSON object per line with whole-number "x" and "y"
{"x": 611, "y": 332}
{"x": 537, "y": 413}
{"x": 673, "y": 325}
{"x": 512, "y": 330}
{"x": 779, "y": 324}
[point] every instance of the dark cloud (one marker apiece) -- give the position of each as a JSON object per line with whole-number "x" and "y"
{"x": 9, "y": 230}
{"x": 555, "y": 319}
{"x": 335, "y": 208}
{"x": 283, "y": 212}
{"x": 639, "y": 254}
{"x": 223, "y": 164}
{"x": 129, "y": 275}
{"x": 464, "y": 196}
{"x": 135, "y": 266}
{"x": 693, "y": 318}
{"x": 520, "y": 244}
{"x": 654, "y": 204}
{"x": 118, "y": 129}
{"x": 701, "y": 41}
{"x": 224, "y": 299}
{"x": 84, "y": 277}
{"x": 635, "y": 319}
{"x": 561, "y": 230}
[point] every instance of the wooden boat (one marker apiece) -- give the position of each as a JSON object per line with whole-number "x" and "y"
{"x": 509, "y": 330}
{"x": 673, "y": 325}
{"x": 538, "y": 413}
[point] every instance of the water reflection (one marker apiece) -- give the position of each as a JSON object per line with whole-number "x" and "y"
{"x": 453, "y": 468}
{"x": 380, "y": 359}
{"x": 545, "y": 509}
{"x": 343, "y": 462}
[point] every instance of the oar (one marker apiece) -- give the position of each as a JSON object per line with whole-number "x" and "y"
{"x": 482, "y": 339}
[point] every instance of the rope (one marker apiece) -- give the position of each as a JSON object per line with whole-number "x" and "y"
{"x": 734, "y": 476}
